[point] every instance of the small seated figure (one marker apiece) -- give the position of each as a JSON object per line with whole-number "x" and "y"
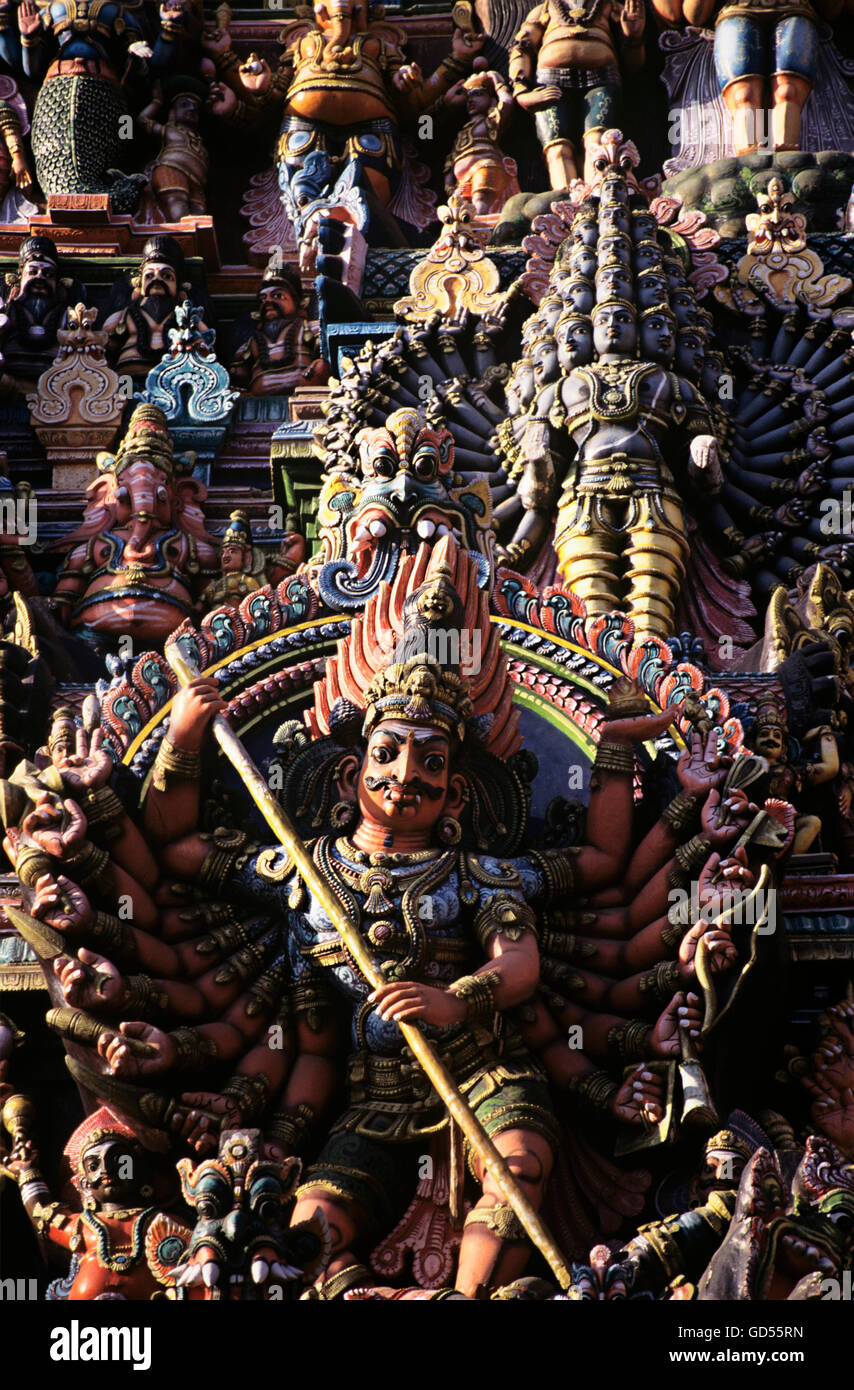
{"x": 239, "y": 563}
{"x": 36, "y": 306}
{"x": 139, "y": 330}
{"x": 476, "y": 167}
{"x": 281, "y": 351}
{"x": 179, "y": 173}
{"x": 789, "y": 779}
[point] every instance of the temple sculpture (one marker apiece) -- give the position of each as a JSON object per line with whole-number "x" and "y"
{"x": 427, "y": 665}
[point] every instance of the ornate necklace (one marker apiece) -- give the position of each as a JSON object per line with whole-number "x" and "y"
{"x": 119, "y": 1264}
{"x": 383, "y": 858}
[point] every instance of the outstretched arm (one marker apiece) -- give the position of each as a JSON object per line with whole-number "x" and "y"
{"x": 174, "y": 794}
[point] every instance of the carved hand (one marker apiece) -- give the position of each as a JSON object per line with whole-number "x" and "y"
{"x": 403, "y": 1001}
{"x": 640, "y": 1099}
{"x": 113, "y": 1047}
{"x": 201, "y": 1116}
{"x": 88, "y": 768}
{"x": 722, "y": 952}
{"x": 61, "y": 904}
{"x": 683, "y": 1012}
{"x": 701, "y": 768}
{"x": 89, "y": 981}
{"x": 192, "y": 711}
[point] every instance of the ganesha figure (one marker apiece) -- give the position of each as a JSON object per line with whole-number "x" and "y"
{"x": 142, "y": 555}
{"x": 344, "y": 87}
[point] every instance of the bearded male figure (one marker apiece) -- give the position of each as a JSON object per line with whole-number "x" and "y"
{"x": 432, "y": 805}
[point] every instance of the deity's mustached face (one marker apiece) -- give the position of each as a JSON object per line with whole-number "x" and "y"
{"x": 769, "y": 742}
{"x": 404, "y": 779}
{"x": 108, "y": 1171}
{"x": 38, "y": 278}
{"x": 158, "y": 278}
{"x": 276, "y": 302}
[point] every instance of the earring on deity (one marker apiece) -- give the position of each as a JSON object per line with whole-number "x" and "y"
{"x": 343, "y": 815}
{"x": 449, "y": 830}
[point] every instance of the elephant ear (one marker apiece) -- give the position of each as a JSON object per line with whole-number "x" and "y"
{"x": 189, "y": 494}
{"x": 98, "y": 515}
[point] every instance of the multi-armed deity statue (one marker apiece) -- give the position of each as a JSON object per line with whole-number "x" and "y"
{"x": 426, "y": 694}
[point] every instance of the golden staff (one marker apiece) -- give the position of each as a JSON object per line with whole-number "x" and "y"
{"x": 440, "y": 1078}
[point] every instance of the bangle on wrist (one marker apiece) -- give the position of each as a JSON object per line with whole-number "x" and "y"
{"x": 183, "y": 764}
{"x": 478, "y": 994}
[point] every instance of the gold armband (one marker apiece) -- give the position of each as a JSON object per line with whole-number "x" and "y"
{"x": 693, "y": 854}
{"x": 501, "y": 1219}
{"x": 503, "y": 915}
{"x": 681, "y": 811}
{"x": 179, "y": 763}
{"x": 629, "y": 1042}
{"x": 291, "y": 1128}
{"x": 251, "y": 1093}
{"x": 88, "y": 866}
{"x": 595, "y": 1091}
{"x": 662, "y": 981}
{"x": 113, "y": 936}
{"x": 478, "y": 994}
{"x": 141, "y": 999}
{"x": 228, "y": 845}
{"x": 558, "y": 871}
{"x": 104, "y": 813}
{"x": 614, "y": 757}
{"x": 193, "y": 1050}
{"x": 309, "y": 997}
{"x": 672, "y": 934}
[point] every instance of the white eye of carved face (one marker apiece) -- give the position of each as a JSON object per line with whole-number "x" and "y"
{"x": 162, "y": 494}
